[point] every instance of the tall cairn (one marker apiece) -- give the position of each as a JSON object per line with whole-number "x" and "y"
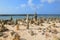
{"x": 27, "y": 20}
{"x": 16, "y": 22}
{"x": 11, "y": 18}
{"x": 35, "y": 16}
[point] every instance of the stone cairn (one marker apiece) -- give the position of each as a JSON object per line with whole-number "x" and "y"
{"x": 27, "y": 20}
{"x": 35, "y": 19}
{"x": 35, "y": 16}
{"x": 17, "y": 27}
{"x": 17, "y": 37}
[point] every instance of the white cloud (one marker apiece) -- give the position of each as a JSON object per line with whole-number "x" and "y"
{"x": 49, "y": 1}
{"x": 31, "y": 5}
{"x": 42, "y": 1}
{"x": 35, "y": 6}
{"x": 23, "y": 5}
{"x": 29, "y": 2}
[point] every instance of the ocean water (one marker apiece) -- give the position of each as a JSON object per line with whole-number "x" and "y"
{"x": 14, "y": 17}
{"x": 21, "y": 17}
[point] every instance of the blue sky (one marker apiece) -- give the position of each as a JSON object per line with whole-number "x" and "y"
{"x": 29, "y": 6}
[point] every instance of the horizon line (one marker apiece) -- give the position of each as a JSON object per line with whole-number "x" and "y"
{"x": 28, "y": 14}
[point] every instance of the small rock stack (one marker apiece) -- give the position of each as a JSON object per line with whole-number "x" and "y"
{"x": 17, "y": 37}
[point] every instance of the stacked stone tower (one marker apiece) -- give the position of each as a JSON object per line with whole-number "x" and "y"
{"x": 35, "y": 16}
{"x": 27, "y": 20}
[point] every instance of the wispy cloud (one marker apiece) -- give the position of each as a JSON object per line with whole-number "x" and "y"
{"x": 29, "y": 2}
{"x": 48, "y": 1}
{"x": 34, "y": 6}
{"x": 23, "y": 5}
{"x": 31, "y": 5}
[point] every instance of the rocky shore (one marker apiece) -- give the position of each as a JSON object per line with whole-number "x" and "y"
{"x": 30, "y": 28}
